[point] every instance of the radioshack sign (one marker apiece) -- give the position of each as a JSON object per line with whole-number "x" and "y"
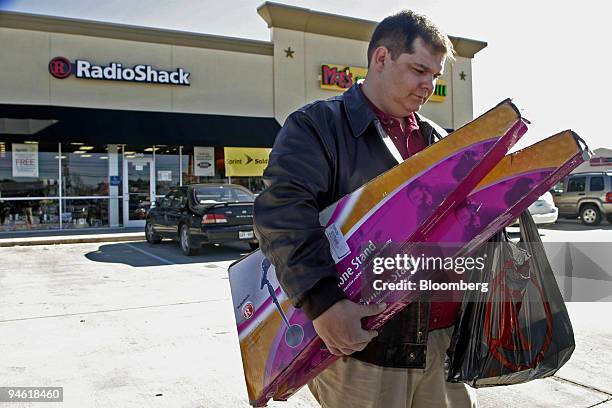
{"x": 61, "y": 68}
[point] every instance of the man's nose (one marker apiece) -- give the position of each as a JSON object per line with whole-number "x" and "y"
{"x": 429, "y": 83}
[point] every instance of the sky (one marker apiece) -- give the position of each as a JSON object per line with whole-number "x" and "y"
{"x": 550, "y": 57}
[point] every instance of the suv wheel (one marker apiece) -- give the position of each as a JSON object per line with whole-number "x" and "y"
{"x": 590, "y": 215}
{"x": 150, "y": 234}
{"x": 185, "y": 241}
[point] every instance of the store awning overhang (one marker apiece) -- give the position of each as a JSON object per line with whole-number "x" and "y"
{"x": 107, "y": 126}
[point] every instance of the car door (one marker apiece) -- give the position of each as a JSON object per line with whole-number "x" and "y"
{"x": 165, "y": 205}
{"x": 596, "y": 188}
{"x": 176, "y": 210}
{"x": 575, "y": 188}
{"x": 156, "y": 216}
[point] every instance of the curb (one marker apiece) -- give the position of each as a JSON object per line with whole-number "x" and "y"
{"x": 68, "y": 240}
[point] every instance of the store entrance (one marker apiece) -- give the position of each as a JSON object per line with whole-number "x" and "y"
{"x": 138, "y": 190}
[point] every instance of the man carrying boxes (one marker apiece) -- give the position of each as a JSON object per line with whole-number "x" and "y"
{"x": 324, "y": 151}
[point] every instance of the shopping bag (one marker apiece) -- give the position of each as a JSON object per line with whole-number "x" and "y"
{"x": 519, "y": 330}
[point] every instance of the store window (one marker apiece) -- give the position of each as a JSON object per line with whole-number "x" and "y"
{"x": 29, "y": 169}
{"x": 85, "y": 170}
{"x": 29, "y": 185}
{"x": 85, "y": 213}
{"x": 26, "y": 215}
{"x": 196, "y": 171}
{"x": 167, "y": 168}
{"x": 202, "y": 164}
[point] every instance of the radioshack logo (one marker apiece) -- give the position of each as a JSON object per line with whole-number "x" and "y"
{"x": 61, "y": 68}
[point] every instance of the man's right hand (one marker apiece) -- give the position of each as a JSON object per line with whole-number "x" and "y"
{"x": 340, "y": 326}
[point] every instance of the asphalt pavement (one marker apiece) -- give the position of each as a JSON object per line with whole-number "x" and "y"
{"x": 128, "y": 324}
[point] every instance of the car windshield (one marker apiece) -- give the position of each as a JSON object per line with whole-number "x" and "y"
{"x": 222, "y": 194}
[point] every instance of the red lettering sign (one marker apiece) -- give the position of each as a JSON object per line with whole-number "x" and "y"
{"x": 332, "y": 76}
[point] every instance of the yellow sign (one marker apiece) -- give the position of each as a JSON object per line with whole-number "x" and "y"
{"x": 439, "y": 93}
{"x": 245, "y": 161}
{"x": 340, "y": 77}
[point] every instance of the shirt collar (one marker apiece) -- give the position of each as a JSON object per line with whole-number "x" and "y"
{"x": 386, "y": 119}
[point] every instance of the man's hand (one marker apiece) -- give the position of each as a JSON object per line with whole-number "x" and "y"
{"x": 340, "y": 326}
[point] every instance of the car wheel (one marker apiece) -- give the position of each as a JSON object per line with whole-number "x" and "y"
{"x": 150, "y": 234}
{"x": 590, "y": 215}
{"x": 609, "y": 217}
{"x": 185, "y": 241}
{"x": 254, "y": 245}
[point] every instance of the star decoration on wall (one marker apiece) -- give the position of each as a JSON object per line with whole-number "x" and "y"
{"x": 289, "y": 53}
{"x": 462, "y": 76}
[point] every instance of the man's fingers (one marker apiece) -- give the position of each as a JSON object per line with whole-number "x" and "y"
{"x": 335, "y": 351}
{"x": 372, "y": 309}
{"x": 372, "y": 333}
{"x": 360, "y": 346}
{"x": 347, "y": 351}
{"x": 364, "y": 337}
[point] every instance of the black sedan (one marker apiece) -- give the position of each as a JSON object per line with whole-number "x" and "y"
{"x": 201, "y": 214}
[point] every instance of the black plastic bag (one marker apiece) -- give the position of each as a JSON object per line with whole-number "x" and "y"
{"x": 519, "y": 330}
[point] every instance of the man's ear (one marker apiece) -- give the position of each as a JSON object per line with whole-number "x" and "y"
{"x": 380, "y": 56}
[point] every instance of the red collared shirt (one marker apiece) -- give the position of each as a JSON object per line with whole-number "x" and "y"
{"x": 410, "y": 141}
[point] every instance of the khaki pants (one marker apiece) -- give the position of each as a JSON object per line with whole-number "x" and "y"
{"x": 353, "y": 383}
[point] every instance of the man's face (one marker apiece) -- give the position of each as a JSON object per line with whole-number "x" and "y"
{"x": 411, "y": 79}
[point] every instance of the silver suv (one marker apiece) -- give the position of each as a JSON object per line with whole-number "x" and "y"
{"x": 585, "y": 195}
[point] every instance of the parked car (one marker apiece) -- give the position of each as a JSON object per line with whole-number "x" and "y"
{"x": 543, "y": 210}
{"x": 201, "y": 214}
{"x": 585, "y": 195}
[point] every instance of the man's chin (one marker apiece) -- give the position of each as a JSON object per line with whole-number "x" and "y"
{"x": 414, "y": 108}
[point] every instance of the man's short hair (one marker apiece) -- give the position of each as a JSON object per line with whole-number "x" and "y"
{"x": 398, "y": 32}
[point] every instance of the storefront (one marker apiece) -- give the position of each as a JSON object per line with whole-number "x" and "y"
{"x": 99, "y": 120}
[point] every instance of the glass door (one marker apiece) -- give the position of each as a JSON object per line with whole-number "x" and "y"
{"x": 138, "y": 190}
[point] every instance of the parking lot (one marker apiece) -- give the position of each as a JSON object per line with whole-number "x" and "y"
{"x": 129, "y": 324}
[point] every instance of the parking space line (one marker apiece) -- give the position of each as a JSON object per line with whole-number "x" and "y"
{"x": 159, "y": 258}
{"x": 113, "y": 310}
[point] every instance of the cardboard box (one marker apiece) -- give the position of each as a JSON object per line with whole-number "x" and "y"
{"x": 279, "y": 347}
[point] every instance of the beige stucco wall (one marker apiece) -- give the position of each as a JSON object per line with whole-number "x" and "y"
{"x": 222, "y": 82}
{"x": 24, "y": 56}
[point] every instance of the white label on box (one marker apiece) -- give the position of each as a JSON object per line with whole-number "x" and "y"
{"x": 337, "y": 242}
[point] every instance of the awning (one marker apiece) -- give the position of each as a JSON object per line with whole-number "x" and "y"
{"x": 107, "y": 126}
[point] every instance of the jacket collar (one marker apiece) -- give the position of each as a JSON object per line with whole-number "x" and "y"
{"x": 359, "y": 113}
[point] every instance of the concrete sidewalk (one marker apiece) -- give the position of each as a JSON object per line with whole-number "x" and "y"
{"x": 71, "y": 237}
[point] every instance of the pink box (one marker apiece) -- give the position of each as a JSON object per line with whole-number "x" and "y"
{"x": 280, "y": 350}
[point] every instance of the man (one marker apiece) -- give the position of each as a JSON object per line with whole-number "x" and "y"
{"x": 324, "y": 151}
